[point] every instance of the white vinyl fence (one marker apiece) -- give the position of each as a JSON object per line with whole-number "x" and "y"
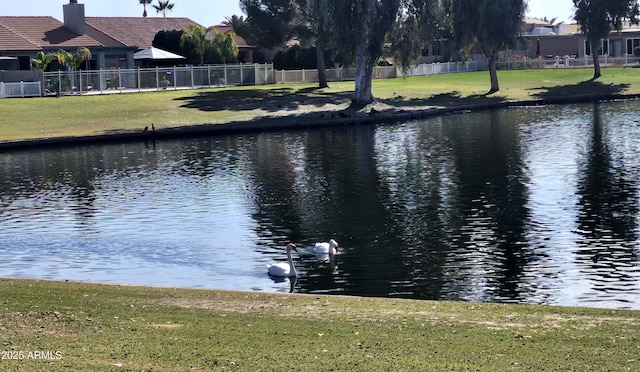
{"x": 379, "y": 72}
{"x": 170, "y": 78}
{"x": 441, "y": 68}
{"x": 21, "y": 89}
{"x": 560, "y": 62}
{"x": 156, "y": 78}
{"x": 333, "y": 74}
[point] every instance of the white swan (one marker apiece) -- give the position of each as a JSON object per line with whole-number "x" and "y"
{"x": 326, "y": 248}
{"x": 284, "y": 269}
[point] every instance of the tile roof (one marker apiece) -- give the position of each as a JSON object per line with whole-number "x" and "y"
{"x": 38, "y": 33}
{"x": 31, "y": 33}
{"x": 11, "y": 41}
{"x": 136, "y": 31}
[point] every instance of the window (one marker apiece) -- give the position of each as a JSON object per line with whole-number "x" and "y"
{"x": 632, "y": 44}
{"x": 604, "y": 47}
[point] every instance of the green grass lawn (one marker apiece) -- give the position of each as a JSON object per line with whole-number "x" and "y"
{"x": 99, "y": 328}
{"x": 24, "y": 119}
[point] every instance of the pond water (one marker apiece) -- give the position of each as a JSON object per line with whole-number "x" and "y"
{"x": 527, "y": 205}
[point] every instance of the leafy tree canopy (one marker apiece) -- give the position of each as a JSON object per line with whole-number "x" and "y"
{"x": 597, "y": 18}
{"x": 219, "y": 49}
{"x": 490, "y": 25}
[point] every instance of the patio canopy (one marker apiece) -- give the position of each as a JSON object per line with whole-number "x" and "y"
{"x": 155, "y": 54}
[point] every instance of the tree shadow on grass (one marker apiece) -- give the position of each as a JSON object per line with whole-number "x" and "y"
{"x": 293, "y": 102}
{"x": 586, "y": 89}
{"x": 269, "y": 100}
{"x": 444, "y": 99}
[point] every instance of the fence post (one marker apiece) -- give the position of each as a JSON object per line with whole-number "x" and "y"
{"x": 241, "y": 79}
{"x": 192, "y": 82}
{"x": 209, "y": 75}
{"x": 256, "y": 74}
{"x": 59, "y": 82}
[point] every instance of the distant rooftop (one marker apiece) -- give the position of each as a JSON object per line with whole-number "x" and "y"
{"x": 29, "y": 33}
{"x": 135, "y": 31}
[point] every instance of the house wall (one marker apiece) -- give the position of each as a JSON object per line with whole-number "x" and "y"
{"x": 18, "y": 76}
{"x": 617, "y": 44}
{"x": 554, "y": 45}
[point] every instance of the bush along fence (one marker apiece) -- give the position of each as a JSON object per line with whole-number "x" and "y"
{"x": 156, "y": 78}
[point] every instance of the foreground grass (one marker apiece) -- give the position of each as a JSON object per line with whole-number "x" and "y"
{"x": 24, "y": 119}
{"x": 96, "y": 327}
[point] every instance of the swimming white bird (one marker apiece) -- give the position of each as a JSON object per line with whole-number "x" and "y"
{"x": 284, "y": 269}
{"x": 326, "y": 248}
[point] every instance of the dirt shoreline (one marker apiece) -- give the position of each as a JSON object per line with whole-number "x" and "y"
{"x": 303, "y": 119}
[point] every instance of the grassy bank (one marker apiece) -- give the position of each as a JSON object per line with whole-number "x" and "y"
{"x": 96, "y": 327}
{"x": 122, "y": 113}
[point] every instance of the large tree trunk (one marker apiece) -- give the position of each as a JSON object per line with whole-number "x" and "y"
{"x": 363, "y": 95}
{"x": 493, "y": 74}
{"x": 595, "y": 53}
{"x": 322, "y": 73}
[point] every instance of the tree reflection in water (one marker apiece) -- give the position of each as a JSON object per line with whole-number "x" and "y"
{"x": 531, "y": 205}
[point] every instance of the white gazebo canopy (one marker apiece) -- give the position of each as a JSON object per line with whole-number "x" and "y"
{"x": 154, "y": 54}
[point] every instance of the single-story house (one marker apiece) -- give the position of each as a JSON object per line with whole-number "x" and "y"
{"x": 567, "y": 40}
{"x": 111, "y": 40}
{"x": 540, "y": 38}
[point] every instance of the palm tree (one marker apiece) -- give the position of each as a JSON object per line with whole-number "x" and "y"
{"x": 73, "y": 60}
{"x": 197, "y": 36}
{"x": 163, "y": 6}
{"x": 43, "y": 60}
{"x": 144, "y": 3}
{"x": 224, "y": 46}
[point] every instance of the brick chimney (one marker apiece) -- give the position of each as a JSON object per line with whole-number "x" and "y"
{"x": 74, "y": 17}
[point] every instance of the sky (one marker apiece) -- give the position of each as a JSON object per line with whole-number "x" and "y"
{"x": 208, "y": 12}
{"x": 205, "y": 12}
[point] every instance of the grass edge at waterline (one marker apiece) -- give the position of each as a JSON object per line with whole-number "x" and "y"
{"x": 83, "y": 326}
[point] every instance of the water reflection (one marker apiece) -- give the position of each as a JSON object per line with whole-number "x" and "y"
{"x": 608, "y": 209}
{"x": 535, "y": 205}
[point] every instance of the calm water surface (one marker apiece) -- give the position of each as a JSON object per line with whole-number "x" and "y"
{"x": 533, "y": 205}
